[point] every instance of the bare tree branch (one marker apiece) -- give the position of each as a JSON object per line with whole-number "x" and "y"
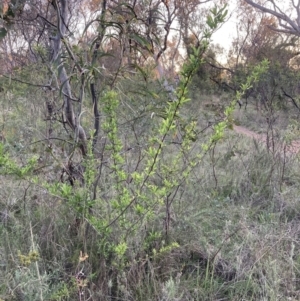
{"x": 291, "y": 27}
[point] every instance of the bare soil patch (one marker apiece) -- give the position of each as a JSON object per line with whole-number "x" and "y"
{"x": 291, "y": 149}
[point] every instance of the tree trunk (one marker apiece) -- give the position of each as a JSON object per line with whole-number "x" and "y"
{"x": 73, "y": 122}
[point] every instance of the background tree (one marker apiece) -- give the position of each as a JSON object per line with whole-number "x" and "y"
{"x": 255, "y": 41}
{"x": 287, "y": 23}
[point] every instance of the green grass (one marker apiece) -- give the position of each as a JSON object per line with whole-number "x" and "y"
{"x": 228, "y": 233}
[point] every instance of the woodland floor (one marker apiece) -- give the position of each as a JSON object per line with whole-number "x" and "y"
{"x": 292, "y": 148}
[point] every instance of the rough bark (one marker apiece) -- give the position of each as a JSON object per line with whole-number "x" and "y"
{"x": 92, "y": 85}
{"x": 73, "y": 122}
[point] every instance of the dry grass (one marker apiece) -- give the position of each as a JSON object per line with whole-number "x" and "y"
{"x": 235, "y": 222}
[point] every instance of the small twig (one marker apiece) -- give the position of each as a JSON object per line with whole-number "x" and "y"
{"x": 214, "y": 165}
{"x": 223, "y": 242}
{"x": 289, "y": 96}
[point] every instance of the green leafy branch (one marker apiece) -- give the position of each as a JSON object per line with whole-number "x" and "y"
{"x": 9, "y": 167}
{"x": 168, "y": 125}
{"x": 219, "y": 129}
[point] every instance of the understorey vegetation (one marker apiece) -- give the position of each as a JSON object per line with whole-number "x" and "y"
{"x": 134, "y": 165}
